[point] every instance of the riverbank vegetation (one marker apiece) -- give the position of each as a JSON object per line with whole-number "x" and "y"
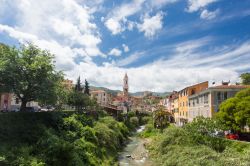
{"x": 195, "y": 144}
{"x": 64, "y": 138}
{"x": 60, "y": 138}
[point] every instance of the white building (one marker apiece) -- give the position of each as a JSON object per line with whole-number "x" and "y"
{"x": 206, "y": 103}
{"x": 9, "y": 102}
{"x": 102, "y": 97}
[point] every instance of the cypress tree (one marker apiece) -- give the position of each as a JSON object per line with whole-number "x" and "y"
{"x": 86, "y": 88}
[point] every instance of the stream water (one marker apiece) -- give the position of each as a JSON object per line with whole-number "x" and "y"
{"x": 135, "y": 154}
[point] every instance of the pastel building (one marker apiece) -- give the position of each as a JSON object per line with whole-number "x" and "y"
{"x": 183, "y": 101}
{"x": 206, "y": 103}
{"x": 9, "y": 102}
{"x": 102, "y": 97}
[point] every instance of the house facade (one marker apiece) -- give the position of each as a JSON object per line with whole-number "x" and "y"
{"x": 206, "y": 103}
{"x": 183, "y": 101}
{"x": 102, "y": 97}
{"x": 9, "y": 102}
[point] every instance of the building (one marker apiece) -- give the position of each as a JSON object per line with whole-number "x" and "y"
{"x": 123, "y": 101}
{"x": 102, "y": 97}
{"x": 125, "y": 87}
{"x": 10, "y": 102}
{"x": 206, "y": 103}
{"x": 176, "y": 108}
{"x": 137, "y": 103}
{"x": 171, "y": 99}
{"x": 5, "y": 101}
{"x": 168, "y": 101}
{"x": 183, "y": 100}
{"x": 68, "y": 84}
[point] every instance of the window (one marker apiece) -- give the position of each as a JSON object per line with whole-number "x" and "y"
{"x": 183, "y": 104}
{"x": 225, "y": 95}
{"x": 186, "y": 103}
{"x": 197, "y": 100}
{"x": 192, "y": 92}
{"x": 17, "y": 100}
{"x": 219, "y": 96}
{"x": 206, "y": 98}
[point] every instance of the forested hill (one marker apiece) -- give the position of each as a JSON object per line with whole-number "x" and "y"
{"x": 114, "y": 92}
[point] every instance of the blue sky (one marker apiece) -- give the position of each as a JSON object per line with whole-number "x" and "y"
{"x": 163, "y": 45}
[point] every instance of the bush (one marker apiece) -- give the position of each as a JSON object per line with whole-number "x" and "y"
{"x": 145, "y": 119}
{"x": 134, "y": 121}
{"x": 60, "y": 138}
{"x": 131, "y": 114}
{"x": 201, "y": 131}
{"x": 175, "y": 146}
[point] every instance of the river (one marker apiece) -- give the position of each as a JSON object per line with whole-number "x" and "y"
{"x": 135, "y": 154}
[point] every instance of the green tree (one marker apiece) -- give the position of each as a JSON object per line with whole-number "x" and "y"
{"x": 86, "y": 88}
{"x": 245, "y": 78}
{"x": 78, "y": 86}
{"x": 235, "y": 112}
{"x": 77, "y": 99}
{"x": 28, "y": 72}
{"x": 161, "y": 118}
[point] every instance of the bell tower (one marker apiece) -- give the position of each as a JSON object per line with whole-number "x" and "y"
{"x": 125, "y": 85}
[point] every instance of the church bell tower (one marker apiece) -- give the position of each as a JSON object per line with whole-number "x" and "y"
{"x": 125, "y": 85}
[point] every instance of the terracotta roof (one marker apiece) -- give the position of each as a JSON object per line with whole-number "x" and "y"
{"x": 97, "y": 91}
{"x": 230, "y": 87}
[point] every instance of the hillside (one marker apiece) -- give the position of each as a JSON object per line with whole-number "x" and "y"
{"x": 114, "y": 92}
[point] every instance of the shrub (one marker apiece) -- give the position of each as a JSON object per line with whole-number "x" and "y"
{"x": 175, "y": 146}
{"x": 145, "y": 119}
{"x": 134, "y": 121}
{"x": 59, "y": 138}
{"x": 201, "y": 131}
{"x": 131, "y": 114}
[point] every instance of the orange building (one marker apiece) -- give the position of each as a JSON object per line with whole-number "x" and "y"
{"x": 68, "y": 84}
{"x": 183, "y": 101}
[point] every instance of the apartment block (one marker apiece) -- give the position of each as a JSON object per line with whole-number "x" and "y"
{"x": 182, "y": 117}
{"x": 206, "y": 103}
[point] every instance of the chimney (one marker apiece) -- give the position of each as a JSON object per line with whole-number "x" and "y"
{"x": 225, "y": 83}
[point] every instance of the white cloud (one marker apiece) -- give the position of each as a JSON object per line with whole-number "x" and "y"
{"x": 65, "y": 27}
{"x": 207, "y": 15}
{"x": 195, "y": 5}
{"x": 125, "y": 48}
{"x": 130, "y": 59}
{"x": 114, "y": 26}
{"x": 116, "y": 20}
{"x": 64, "y": 55}
{"x": 151, "y": 25}
{"x": 115, "y": 52}
{"x": 161, "y": 3}
{"x": 68, "y": 30}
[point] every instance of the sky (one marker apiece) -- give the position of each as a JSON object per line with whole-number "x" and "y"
{"x": 163, "y": 45}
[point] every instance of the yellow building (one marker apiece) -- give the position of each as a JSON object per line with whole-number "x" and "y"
{"x": 176, "y": 109}
{"x": 183, "y": 100}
